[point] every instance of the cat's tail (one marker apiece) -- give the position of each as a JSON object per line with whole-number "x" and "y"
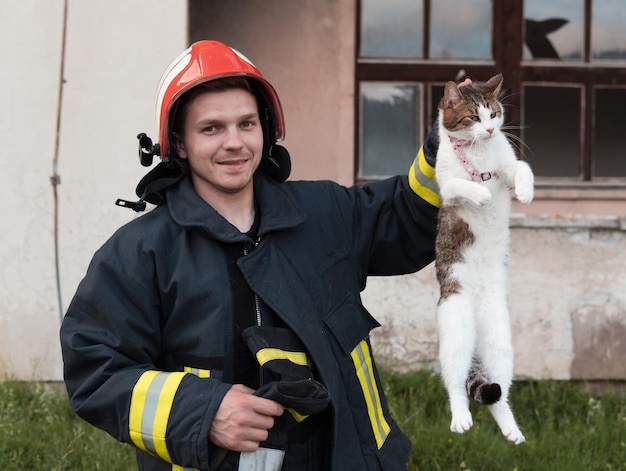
{"x": 479, "y": 387}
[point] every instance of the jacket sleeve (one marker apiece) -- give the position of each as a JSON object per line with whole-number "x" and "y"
{"x": 422, "y": 172}
{"x": 110, "y": 340}
{"x": 393, "y": 223}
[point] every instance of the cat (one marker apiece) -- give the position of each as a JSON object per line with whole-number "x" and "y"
{"x": 476, "y": 168}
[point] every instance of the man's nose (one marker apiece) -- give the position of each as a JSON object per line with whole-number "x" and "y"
{"x": 232, "y": 139}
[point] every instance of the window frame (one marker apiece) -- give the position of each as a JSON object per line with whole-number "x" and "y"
{"x": 507, "y": 58}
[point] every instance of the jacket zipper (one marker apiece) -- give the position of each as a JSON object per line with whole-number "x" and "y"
{"x": 257, "y": 309}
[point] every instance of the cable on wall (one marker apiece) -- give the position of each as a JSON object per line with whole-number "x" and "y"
{"x": 55, "y": 179}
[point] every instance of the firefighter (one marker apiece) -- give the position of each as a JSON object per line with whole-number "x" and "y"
{"x": 224, "y": 328}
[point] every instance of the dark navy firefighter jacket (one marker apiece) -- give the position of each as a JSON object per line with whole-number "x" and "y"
{"x": 146, "y": 340}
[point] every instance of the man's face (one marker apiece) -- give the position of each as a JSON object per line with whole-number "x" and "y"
{"x": 223, "y": 141}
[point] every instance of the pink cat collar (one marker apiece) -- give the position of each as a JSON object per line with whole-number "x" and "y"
{"x": 475, "y": 174}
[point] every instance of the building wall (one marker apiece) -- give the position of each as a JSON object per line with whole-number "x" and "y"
{"x": 567, "y": 277}
{"x": 115, "y": 52}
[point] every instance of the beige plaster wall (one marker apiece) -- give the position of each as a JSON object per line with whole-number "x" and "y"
{"x": 113, "y": 59}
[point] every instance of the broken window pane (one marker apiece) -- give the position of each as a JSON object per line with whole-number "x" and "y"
{"x": 553, "y": 30}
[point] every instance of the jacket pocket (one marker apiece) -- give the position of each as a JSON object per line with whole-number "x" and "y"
{"x": 351, "y": 324}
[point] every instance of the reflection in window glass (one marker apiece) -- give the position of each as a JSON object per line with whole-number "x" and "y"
{"x": 551, "y": 130}
{"x": 609, "y": 154}
{"x": 554, "y": 29}
{"x": 608, "y": 41}
{"x": 392, "y": 28}
{"x": 460, "y": 30}
{"x": 389, "y": 128}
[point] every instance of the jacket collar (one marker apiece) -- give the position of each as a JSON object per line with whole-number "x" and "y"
{"x": 278, "y": 210}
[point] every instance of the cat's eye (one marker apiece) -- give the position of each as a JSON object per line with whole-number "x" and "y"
{"x": 493, "y": 115}
{"x": 474, "y": 117}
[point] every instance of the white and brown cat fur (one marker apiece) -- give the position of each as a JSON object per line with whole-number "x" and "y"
{"x": 475, "y": 348}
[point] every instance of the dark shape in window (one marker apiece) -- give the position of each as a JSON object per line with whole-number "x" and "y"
{"x": 537, "y": 37}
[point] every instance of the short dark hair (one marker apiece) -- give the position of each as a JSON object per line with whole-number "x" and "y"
{"x": 218, "y": 85}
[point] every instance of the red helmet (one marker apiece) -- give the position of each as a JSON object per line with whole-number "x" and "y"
{"x": 201, "y": 62}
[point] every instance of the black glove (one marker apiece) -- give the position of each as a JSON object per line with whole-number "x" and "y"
{"x": 431, "y": 146}
{"x": 286, "y": 366}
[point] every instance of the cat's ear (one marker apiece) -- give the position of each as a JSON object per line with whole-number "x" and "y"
{"x": 451, "y": 95}
{"x": 494, "y": 85}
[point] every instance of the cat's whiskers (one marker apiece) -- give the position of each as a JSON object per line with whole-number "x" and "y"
{"x": 516, "y": 141}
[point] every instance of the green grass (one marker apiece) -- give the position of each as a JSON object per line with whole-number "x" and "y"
{"x": 39, "y": 431}
{"x": 566, "y": 429}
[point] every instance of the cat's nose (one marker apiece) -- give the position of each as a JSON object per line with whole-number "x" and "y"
{"x": 490, "y": 130}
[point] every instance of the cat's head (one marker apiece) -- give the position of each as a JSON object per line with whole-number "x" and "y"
{"x": 472, "y": 112}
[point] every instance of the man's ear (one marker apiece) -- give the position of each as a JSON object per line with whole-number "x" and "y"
{"x": 179, "y": 146}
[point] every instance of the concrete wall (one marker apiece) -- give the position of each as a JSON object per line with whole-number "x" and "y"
{"x": 567, "y": 298}
{"x": 114, "y": 56}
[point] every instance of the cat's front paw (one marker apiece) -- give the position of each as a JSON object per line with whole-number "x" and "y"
{"x": 525, "y": 193}
{"x": 524, "y": 183}
{"x": 514, "y": 436}
{"x": 461, "y": 421}
{"x": 479, "y": 195}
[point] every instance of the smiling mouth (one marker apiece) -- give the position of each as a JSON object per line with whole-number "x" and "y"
{"x": 234, "y": 163}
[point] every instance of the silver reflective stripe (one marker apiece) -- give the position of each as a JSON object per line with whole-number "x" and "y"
{"x": 424, "y": 180}
{"x": 150, "y": 412}
{"x": 264, "y": 459}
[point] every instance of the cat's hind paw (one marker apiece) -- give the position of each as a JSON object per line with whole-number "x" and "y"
{"x": 461, "y": 422}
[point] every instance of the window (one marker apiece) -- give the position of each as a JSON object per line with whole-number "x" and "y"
{"x": 564, "y": 65}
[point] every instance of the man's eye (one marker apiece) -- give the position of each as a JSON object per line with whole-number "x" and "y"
{"x": 247, "y": 124}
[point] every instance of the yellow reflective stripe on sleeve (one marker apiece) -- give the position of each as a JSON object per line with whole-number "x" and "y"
{"x": 199, "y": 372}
{"x": 150, "y": 407}
{"x": 268, "y": 354}
{"x": 365, "y": 373}
{"x": 175, "y": 467}
{"x": 422, "y": 180}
